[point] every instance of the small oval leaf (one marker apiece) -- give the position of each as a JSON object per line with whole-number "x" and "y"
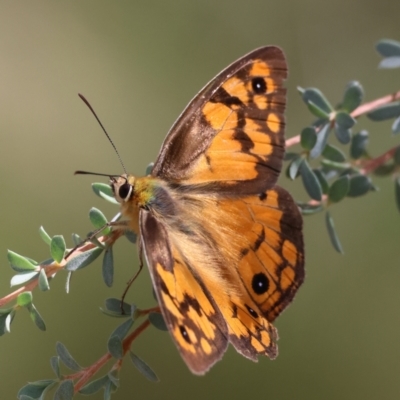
{"x": 344, "y": 120}
{"x": 157, "y": 320}
{"x": 36, "y": 317}
{"x": 353, "y": 96}
{"x": 24, "y": 299}
{"x": 143, "y": 368}
{"x": 23, "y": 278}
{"x": 108, "y": 267}
{"x": 94, "y": 386}
{"x": 384, "y": 112}
{"x": 390, "y": 63}
{"x": 310, "y": 182}
{"x": 342, "y": 134}
{"x": 66, "y": 357}
{"x": 322, "y": 138}
{"x": 122, "y": 330}
{"x": 44, "y": 235}
{"x": 359, "y": 144}
{"x": 116, "y": 306}
{"x": 99, "y": 220}
{"x": 65, "y": 390}
{"x": 20, "y": 263}
{"x": 316, "y": 97}
{"x": 332, "y": 233}
{"x": 333, "y": 153}
{"x": 388, "y": 48}
{"x": 149, "y": 168}
{"x": 57, "y": 248}
{"x": 359, "y": 185}
{"x": 339, "y": 189}
{"x": 83, "y": 260}
{"x": 55, "y": 365}
{"x": 308, "y": 138}
{"x": 322, "y": 180}
{"x": 294, "y": 167}
{"x": 115, "y": 347}
{"x": 104, "y": 191}
{"x": 43, "y": 281}
{"x": 308, "y": 209}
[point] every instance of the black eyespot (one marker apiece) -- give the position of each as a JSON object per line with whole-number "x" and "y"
{"x": 259, "y": 86}
{"x": 260, "y": 283}
{"x": 252, "y": 312}
{"x": 184, "y": 334}
{"x": 124, "y": 190}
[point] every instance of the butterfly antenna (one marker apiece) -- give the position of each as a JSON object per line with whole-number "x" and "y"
{"x": 104, "y": 130}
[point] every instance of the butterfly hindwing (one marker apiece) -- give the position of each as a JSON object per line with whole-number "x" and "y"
{"x": 195, "y": 323}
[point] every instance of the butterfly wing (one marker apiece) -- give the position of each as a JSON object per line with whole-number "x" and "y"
{"x": 233, "y": 130}
{"x": 194, "y": 321}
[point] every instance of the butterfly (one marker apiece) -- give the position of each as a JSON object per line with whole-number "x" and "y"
{"x": 222, "y": 241}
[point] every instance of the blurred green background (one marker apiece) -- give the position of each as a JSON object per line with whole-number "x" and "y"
{"x": 139, "y": 63}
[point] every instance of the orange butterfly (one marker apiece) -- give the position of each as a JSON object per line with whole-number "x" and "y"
{"x": 223, "y": 243}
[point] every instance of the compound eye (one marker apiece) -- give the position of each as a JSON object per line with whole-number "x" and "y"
{"x": 125, "y": 191}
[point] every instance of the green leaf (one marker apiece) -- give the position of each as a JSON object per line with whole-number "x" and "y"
{"x": 322, "y": 138}
{"x": 342, "y": 134}
{"x": 76, "y": 239}
{"x": 98, "y": 220}
{"x": 157, "y": 320}
{"x": 359, "y": 144}
{"x": 83, "y": 260}
{"x": 23, "y": 278}
{"x": 310, "y": 182}
{"x": 339, "y": 189}
{"x": 55, "y": 365}
{"x": 344, "y": 120}
{"x": 333, "y": 153}
{"x": 8, "y": 321}
{"x": 57, "y": 248}
{"x": 308, "y": 209}
{"x": 143, "y": 368}
{"x": 122, "y": 330}
{"x": 104, "y": 191}
{"x": 390, "y": 63}
{"x": 115, "y": 348}
{"x": 332, "y": 234}
{"x": 36, "y": 317}
{"x": 112, "y": 376}
{"x": 131, "y": 236}
{"x": 290, "y": 155}
{"x": 20, "y": 263}
{"x": 388, "y": 48}
{"x": 3, "y": 321}
{"x": 294, "y": 167}
{"x": 65, "y": 390}
{"x": 108, "y": 267}
{"x": 116, "y": 306}
{"x": 94, "y": 386}
{"x": 353, "y": 96}
{"x": 336, "y": 165}
{"x": 359, "y": 185}
{"x": 396, "y": 126}
{"x": 34, "y": 390}
{"x": 44, "y": 235}
{"x": 66, "y": 357}
{"x": 149, "y": 168}
{"x": 43, "y": 281}
{"x": 322, "y": 180}
{"x": 384, "y": 112}
{"x": 24, "y": 299}
{"x": 308, "y": 138}
{"x": 317, "y": 98}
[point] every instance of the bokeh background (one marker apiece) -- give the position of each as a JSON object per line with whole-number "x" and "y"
{"x": 139, "y": 63}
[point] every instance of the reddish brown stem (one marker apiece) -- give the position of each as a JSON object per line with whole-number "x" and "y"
{"x": 376, "y": 162}
{"x": 84, "y": 376}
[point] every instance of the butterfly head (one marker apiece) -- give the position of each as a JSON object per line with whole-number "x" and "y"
{"x": 123, "y": 187}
